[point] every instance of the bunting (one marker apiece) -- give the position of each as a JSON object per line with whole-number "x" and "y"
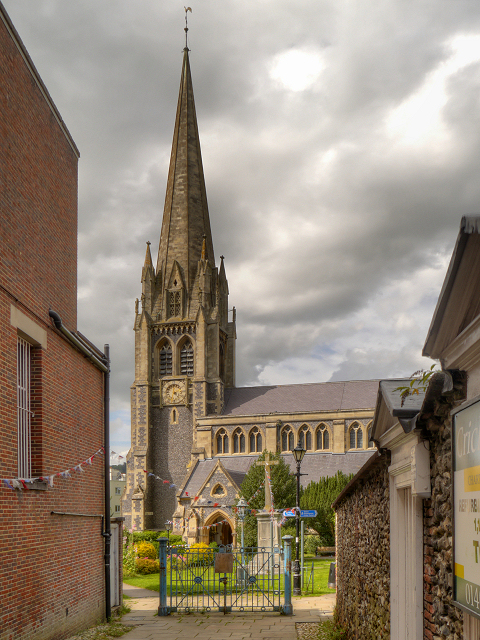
{"x": 152, "y": 475}
{"x": 22, "y": 483}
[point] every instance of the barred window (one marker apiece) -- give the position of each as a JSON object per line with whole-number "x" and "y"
{"x": 166, "y": 360}
{"x": 356, "y": 436}
{"x": 323, "y": 438}
{"x": 222, "y": 441}
{"x": 175, "y": 303}
{"x": 305, "y": 438}
{"x": 238, "y": 441}
{"x": 24, "y": 414}
{"x": 287, "y": 438}
{"x": 186, "y": 359}
{"x": 255, "y": 440}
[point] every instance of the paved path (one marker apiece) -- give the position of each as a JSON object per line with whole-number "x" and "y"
{"x": 216, "y": 626}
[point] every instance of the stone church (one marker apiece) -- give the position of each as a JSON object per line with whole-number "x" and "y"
{"x": 194, "y": 434}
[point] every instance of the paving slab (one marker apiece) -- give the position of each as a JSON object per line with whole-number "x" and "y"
{"x": 214, "y": 625}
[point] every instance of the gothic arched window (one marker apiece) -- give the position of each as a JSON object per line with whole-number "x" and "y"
{"x": 175, "y": 303}
{"x": 165, "y": 359}
{"x": 222, "y": 441}
{"x": 238, "y": 441}
{"x": 305, "y": 438}
{"x": 255, "y": 440}
{"x": 186, "y": 359}
{"x": 287, "y": 438}
{"x": 356, "y": 436}
{"x": 322, "y": 437}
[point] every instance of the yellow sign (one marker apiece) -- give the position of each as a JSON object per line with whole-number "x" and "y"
{"x": 471, "y": 479}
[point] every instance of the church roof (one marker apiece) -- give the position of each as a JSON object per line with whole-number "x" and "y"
{"x": 185, "y": 216}
{"x": 314, "y": 465}
{"x": 291, "y": 398}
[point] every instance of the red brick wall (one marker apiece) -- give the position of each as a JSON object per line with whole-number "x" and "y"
{"x": 38, "y": 193}
{"x": 51, "y": 566}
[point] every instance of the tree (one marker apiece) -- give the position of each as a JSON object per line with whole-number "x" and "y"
{"x": 283, "y": 489}
{"x": 319, "y": 496}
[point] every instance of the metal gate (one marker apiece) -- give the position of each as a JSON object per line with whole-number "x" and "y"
{"x": 247, "y": 579}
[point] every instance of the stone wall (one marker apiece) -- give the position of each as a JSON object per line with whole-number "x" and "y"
{"x": 363, "y": 555}
{"x": 442, "y": 620}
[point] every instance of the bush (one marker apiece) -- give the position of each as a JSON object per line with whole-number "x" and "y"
{"x": 146, "y": 536}
{"x": 129, "y": 560}
{"x": 146, "y": 566}
{"x": 200, "y": 554}
{"x": 146, "y": 550}
{"x": 312, "y": 542}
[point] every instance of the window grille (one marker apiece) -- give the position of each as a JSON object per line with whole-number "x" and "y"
{"x": 186, "y": 359}
{"x": 255, "y": 440}
{"x": 24, "y": 414}
{"x": 175, "y": 303}
{"x": 166, "y": 360}
{"x": 238, "y": 442}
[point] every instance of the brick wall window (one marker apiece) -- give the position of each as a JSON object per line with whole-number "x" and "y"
{"x": 287, "y": 438}
{"x": 186, "y": 359}
{"x": 24, "y": 413}
{"x": 305, "y": 438}
{"x": 238, "y": 441}
{"x": 356, "y": 436}
{"x": 255, "y": 440}
{"x": 322, "y": 437}
{"x": 222, "y": 441}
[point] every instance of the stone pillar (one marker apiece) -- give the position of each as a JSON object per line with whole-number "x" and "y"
{"x": 264, "y": 531}
{"x": 338, "y": 436}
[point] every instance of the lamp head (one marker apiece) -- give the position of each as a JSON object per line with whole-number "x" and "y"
{"x": 298, "y": 453}
{"x": 242, "y": 507}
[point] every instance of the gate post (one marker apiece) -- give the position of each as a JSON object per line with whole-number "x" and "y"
{"x": 287, "y": 575}
{"x": 163, "y": 610}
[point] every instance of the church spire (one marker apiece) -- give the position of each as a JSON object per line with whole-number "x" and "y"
{"x": 185, "y": 217}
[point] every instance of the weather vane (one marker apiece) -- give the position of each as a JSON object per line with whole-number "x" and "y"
{"x": 187, "y": 9}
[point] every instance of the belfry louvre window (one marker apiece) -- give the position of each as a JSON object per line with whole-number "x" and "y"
{"x": 24, "y": 414}
{"x": 175, "y": 303}
{"x": 166, "y": 360}
{"x": 186, "y": 359}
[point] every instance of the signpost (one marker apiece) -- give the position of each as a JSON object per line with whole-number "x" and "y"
{"x": 304, "y": 513}
{"x": 466, "y": 496}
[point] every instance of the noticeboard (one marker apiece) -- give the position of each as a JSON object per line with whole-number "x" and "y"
{"x": 466, "y": 512}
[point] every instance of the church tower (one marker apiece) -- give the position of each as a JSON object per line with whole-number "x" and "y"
{"x": 184, "y": 342}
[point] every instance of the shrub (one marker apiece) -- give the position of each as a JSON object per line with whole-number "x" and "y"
{"x": 146, "y": 565}
{"x": 200, "y": 554}
{"x": 129, "y": 560}
{"x": 146, "y": 550}
{"x": 146, "y": 536}
{"x": 312, "y": 542}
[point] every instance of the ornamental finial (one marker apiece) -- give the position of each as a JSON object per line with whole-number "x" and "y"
{"x": 187, "y": 9}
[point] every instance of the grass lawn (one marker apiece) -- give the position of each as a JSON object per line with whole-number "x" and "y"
{"x": 321, "y": 569}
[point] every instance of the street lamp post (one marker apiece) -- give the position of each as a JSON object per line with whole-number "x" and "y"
{"x": 168, "y": 527}
{"x": 242, "y": 510}
{"x": 298, "y": 454}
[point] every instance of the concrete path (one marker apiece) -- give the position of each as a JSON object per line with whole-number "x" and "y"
{"x": 216, "y": 626}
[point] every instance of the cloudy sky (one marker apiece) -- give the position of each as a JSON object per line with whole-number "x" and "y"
{"x": 341, "y": 146}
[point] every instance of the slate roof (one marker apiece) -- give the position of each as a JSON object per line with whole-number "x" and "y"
{"x": 412, "y": 404}
{"x": 314, "y": 465}
{"x": 294, "y": 398}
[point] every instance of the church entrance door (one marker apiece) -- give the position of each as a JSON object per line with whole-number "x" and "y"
{"x": 220, "y": 531}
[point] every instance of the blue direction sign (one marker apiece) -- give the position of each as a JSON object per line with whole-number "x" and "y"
{"x": 304, "y": 513}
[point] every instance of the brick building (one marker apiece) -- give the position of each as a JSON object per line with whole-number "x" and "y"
{"x": 52, "y": 412}
{"x": 194, "y": 434}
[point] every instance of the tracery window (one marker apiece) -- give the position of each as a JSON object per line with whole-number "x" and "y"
{"x": 222, "y": 441}
{"x": 356, "y": 436}
{"x": 186, "y": 359}
{"x": 305, "y": 438}
{"x": 323, "y": 437}
{"x": 287, "y": 438}
{"x": 166, "y": 359}
{"x": 175, "y": 303}
{"x": 238, "y": 441}
{"x": 255, "y": 440}
{"x": 218, "y": 490}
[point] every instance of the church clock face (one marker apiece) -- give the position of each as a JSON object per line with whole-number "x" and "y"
{"x": 174, "y": 393}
